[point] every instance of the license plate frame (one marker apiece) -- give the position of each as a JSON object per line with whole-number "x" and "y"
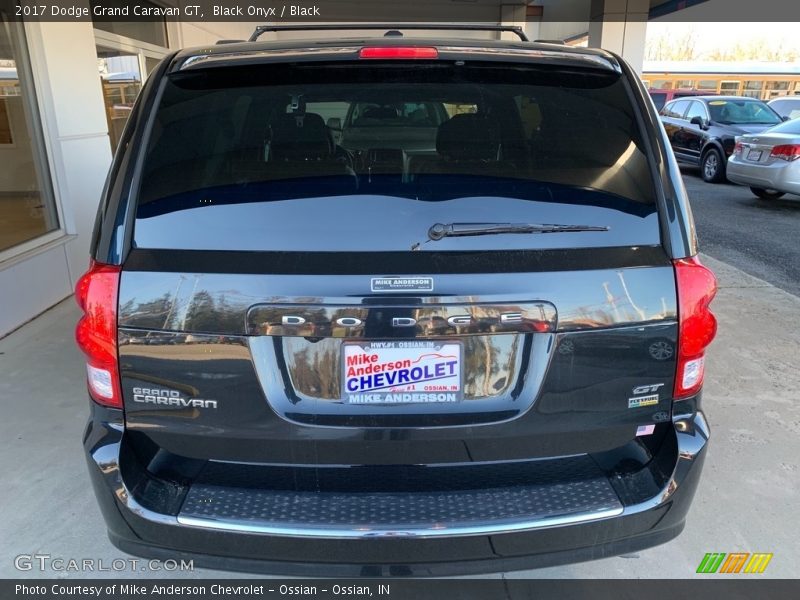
{"x": 433, "y": 383}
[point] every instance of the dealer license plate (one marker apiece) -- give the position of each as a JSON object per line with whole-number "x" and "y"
{"x": 402, "y": 372}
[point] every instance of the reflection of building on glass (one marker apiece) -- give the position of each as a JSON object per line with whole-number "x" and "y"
{"x": 121, "y": 78}
{"x": 9, "y": 86}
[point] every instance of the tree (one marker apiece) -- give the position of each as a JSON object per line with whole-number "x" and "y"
{"x": 672, "y": 47}
{"x": 756, "y": 49}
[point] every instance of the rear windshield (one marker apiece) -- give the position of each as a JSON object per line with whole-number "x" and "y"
{"x": 368, "y": 157}
{"x": 792, "y": 127}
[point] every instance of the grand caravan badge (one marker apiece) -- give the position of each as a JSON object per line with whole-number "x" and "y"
{"x": 401, "y": 284}
{"x": 164, "y": 397}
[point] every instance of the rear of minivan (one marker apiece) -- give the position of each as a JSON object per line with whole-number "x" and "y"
{"x": 485, "y": 351}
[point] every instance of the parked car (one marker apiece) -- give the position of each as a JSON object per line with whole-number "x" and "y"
{"x": 661, "y": 97}
{"x": 426, "y": 423}
{"x": 702, "y": 130}
{"x": 786, "y": 106}
{"x": 768, "y": 162}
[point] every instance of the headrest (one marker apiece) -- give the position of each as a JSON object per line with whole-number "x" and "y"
{"x": 300, "y": 136}
{"x": 380, "y": 112}
{"x": 468, "y": 137}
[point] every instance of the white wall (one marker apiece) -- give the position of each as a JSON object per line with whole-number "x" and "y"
{"x": 620, "y": 26}
{"x": 563, "y": 19}
{"x": 204, "y": 34}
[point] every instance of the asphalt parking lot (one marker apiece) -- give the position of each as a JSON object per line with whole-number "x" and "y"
{"x": 747, "y": 500}
{"x": 757, "y": 236}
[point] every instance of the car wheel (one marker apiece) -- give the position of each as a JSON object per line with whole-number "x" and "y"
{"x": 766, "y": 194}
{"x": 712, "y": 167}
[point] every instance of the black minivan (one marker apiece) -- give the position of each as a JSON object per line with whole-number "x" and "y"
{"x": 425, "y": 354}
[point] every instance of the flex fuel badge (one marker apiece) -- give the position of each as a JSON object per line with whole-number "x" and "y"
{"x": 643, "y": 401}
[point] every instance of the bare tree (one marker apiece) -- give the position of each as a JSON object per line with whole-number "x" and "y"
{"x": 672, "y": 47}
{"x": 756, "y": 49}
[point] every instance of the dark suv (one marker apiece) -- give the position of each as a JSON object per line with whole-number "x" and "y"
{"x": 305, "y": 357}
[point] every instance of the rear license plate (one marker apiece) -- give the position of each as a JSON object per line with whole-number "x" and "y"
{"x": 402, "y": 372}
{"x": 754, "y": 155}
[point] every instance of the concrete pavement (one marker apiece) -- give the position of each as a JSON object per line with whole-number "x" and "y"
{"x": 747, "y": 500}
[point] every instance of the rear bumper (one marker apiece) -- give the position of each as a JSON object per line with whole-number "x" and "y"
{"x": 500, "y": 544}
{"x": 780, "y": 175}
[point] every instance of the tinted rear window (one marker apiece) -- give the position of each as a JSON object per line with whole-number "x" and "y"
{"x": 791, "y": 127}
{"x": 365, "y": 157}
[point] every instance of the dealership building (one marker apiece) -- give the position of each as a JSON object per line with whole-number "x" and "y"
{"x": 66, "y": 89}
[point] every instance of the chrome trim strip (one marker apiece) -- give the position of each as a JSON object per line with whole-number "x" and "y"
{"x": 367, "y": 533}
{"x": 146, "y": 513}
{"x": 583, "y": 298}
{"x": 308, "y": 409}
{"x": 428, "y": 321}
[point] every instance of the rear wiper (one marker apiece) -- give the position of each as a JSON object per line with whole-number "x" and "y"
{"x": 440, "y": 231}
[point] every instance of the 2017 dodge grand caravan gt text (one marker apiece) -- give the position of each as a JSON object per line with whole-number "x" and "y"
{"x": 473, "y": 350}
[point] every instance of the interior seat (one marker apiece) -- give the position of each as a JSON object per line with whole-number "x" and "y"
{"x": 300, "y": 147}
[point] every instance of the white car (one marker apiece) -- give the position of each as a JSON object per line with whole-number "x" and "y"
{"x": 786, "y": 106}
{"x": 768, "y": 162}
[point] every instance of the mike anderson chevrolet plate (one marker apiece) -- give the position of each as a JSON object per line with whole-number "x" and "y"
{"x": 401, "y": 372}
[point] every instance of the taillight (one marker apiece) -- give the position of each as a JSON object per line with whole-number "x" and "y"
{"x": 398, "y": 52}
{"x": 96, "y": 332}
{"x": 737, "y": 149}
{"x": 788, "y": 152}
{"x": 697, "y": 325}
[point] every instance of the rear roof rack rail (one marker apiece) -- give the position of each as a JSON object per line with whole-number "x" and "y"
{"x": 518, "y": 31}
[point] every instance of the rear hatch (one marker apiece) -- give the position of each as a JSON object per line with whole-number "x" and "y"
{"x": 292, "y": 300}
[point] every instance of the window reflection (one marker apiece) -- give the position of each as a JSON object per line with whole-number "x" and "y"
{"x": 121, "y": 77}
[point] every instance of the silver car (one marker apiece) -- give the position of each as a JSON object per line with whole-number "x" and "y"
{"x": 768, "y": 162}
